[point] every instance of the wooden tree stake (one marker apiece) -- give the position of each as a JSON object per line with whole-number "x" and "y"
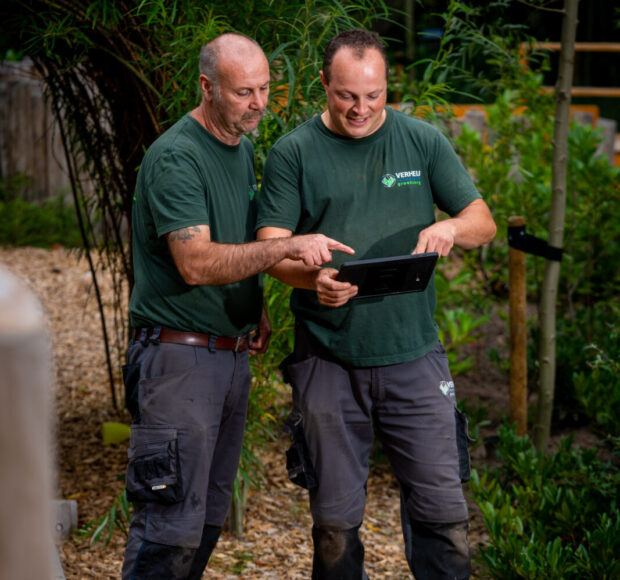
{"x": 518, "y": 347}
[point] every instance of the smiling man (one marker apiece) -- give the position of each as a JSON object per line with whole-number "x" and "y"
{"x": 196, "y": 314}
{"x": 374, "y": 177}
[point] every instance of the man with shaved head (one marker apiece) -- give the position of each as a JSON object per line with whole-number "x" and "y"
{"x": 196, "y": 314}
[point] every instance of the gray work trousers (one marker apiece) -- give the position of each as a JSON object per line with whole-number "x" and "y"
{"x": 412, "y": 408}
{"x": 189, "y": 405}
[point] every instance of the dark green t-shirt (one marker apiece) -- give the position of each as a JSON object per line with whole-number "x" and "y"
{"x": 374, "y": 194}
{"x": 190, "y": 178}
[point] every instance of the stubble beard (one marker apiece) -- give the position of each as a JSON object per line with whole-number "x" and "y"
{"x": 240, "y": 126}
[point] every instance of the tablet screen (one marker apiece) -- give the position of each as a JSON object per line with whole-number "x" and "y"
{"x": 387, "y": 276}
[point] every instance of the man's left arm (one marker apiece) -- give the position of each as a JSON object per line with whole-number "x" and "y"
{"x": 468, "y": 229}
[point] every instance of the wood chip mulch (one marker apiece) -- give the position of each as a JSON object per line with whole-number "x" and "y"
{"x": 276, "y": 542}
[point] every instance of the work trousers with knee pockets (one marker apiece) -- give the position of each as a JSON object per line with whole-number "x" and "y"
{"x": 412, "y": 408}
{"x": 189, "y": 406}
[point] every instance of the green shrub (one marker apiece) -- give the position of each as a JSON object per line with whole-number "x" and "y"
{"x": 41, "y": 224}
{"x": 597, "y": 389}
{"x": 459, "y": 316}
{"x": 550, "y": 516}
{"x": 586, "y": 385}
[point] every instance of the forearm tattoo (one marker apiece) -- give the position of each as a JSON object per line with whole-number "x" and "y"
{"x": 184, "y": 234}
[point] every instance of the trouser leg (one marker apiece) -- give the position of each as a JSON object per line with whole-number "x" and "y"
{"x": 201, "y": 397}
{"x": 338, "y": 430}
{"x": 435, "y": 551}
{"x": 338, "y": 554}
{"x": 229, "y": 443}
{"x": 416, "y": 421}
{"x": 440, "y": 551}
{"x": 223, "y": 469}
{"x": 164, "y": 562}
{"x": 210, "y": 535}
{"x": 159, "y": 561}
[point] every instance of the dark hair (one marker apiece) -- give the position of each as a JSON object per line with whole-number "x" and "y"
{"x": 358, "y": 40}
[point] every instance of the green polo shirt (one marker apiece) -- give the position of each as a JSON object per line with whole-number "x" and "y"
{"x": 374, "y": 194}
{"x": 190, "y": 178}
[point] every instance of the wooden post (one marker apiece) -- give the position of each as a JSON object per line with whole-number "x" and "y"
{"x": 26, "y": 544}
{"x": 518, "y": 334}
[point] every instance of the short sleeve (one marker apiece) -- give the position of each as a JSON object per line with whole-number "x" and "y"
{"x": 177, "y": 193}
{"x": 279, "y": 200}
{"x": 453, "y": 188}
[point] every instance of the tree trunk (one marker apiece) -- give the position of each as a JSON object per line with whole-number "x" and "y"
{"x": 547, "y": 350}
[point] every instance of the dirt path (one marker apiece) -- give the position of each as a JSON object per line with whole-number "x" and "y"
{"x": 277, "y": 542}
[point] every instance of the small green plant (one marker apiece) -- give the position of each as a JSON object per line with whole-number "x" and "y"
{"x": 241, "y": 560}
{"x": 587, "y": 385}
{"x": 118, "y": 517}
{"x": 549, "y": 516}
{"x": 598, "y": 390}
{"x": 458, "y": 318}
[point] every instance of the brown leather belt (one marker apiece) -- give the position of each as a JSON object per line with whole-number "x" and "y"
{"x": 236, "y": 343}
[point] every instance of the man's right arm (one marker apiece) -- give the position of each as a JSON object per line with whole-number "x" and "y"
{"x": 201, "y": 261}
{"x": 330, "y": 292}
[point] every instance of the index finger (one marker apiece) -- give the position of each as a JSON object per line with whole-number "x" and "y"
{"x": 420, "y": 247}
{"x": 334, "y": 245}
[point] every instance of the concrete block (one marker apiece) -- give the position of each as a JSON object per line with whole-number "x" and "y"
{"x": 65, "y": 518}
{"x": 57, "y": 573}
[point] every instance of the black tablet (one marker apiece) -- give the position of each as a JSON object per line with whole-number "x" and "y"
{"x": 386, "y": 276}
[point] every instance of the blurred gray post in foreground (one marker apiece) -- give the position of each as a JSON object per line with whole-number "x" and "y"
{"x": 26, "y": 545}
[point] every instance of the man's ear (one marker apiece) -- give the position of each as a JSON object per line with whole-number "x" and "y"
{"x": 206, "y": 87}
{"x": 323, "y": 79}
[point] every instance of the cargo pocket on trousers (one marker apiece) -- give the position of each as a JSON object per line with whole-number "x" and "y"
{"x": 463, "y": 442}
{"x": 153, "y": 472}
{"x": 298, "y": 464}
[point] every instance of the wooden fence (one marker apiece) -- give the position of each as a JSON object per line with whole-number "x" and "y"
{"x": 30, "y": 143}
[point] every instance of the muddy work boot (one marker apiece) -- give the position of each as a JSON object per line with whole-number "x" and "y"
{"x": 338, "y": 554}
